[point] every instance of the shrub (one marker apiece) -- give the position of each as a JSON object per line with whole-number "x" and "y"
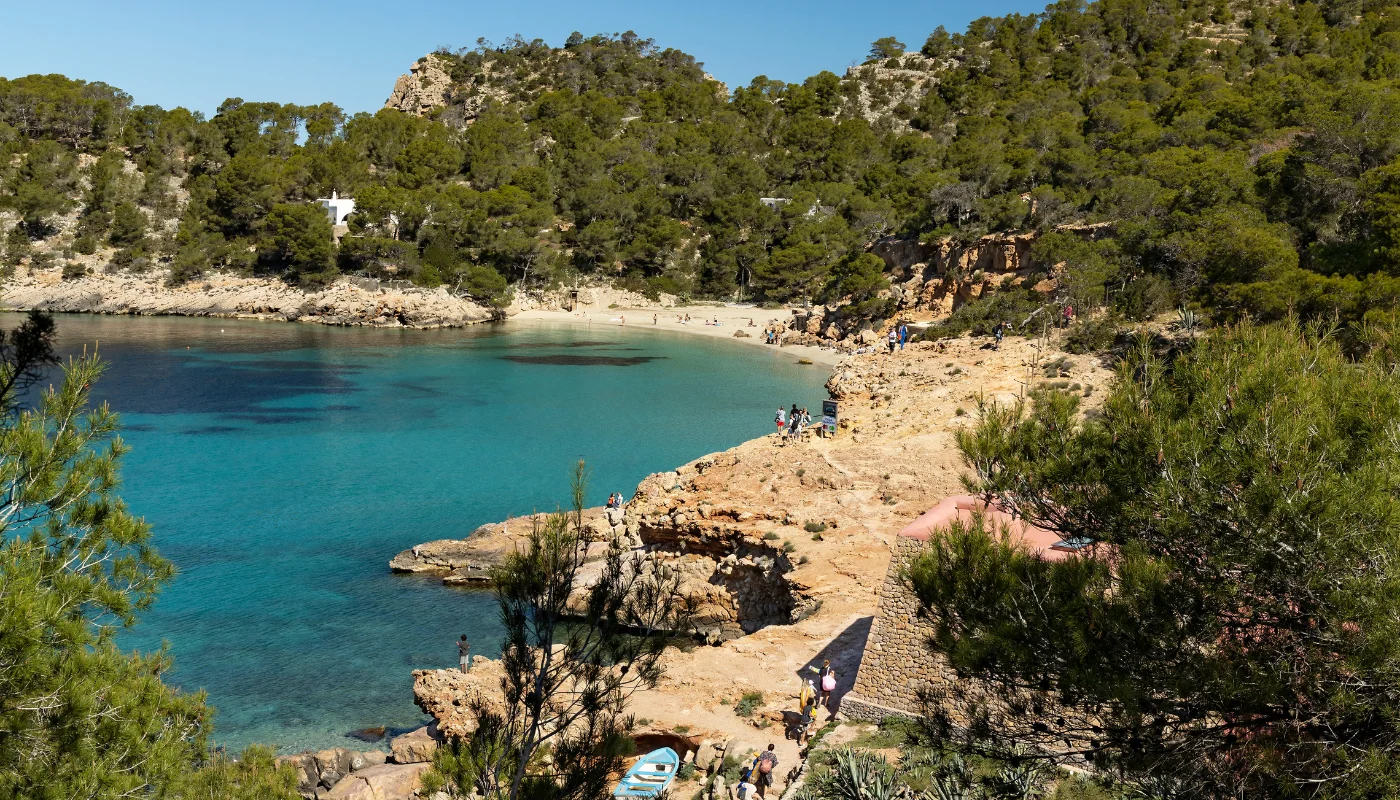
{"x": 748, "y": 704}
{"x": 1092, "y": 335}
{"x": 770, "y": 536}
{"x": 814, "y": 527}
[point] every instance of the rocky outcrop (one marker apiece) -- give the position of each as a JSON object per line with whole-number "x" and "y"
{"x": 345, "y": 302}
{"x": 448, "y": 695}
{"x": 318, "y": 773}
{"x": 384, "y": 782}
{"x": 732, "y": 580}
{"x": 426, "y": 86}
{"x": 416, "y": 746}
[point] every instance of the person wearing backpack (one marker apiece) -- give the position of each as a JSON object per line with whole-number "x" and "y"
{"x": 827, "y": 685}
{"x": 763, "y": 767}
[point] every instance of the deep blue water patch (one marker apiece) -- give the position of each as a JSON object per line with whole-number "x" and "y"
{"x": 282, "y": 465}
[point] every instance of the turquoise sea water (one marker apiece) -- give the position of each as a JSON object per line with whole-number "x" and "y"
{"x": 283, "y": 465}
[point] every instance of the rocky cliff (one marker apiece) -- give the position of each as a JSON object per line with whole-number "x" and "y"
{"x": 928, "y": 282}
{"x": 345, "y": 302}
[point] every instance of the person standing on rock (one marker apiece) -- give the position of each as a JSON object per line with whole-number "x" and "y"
{"x": 464, "y": 654}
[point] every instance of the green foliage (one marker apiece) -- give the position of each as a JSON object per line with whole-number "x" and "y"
{"x": 566, "y": 682}
{"x": 128, "y": 226}
{"x": 748, "y": 704}
{"x": 82, "y": 718}
{"x": 1254, "y": 174}
{"x": 1013, "y": 305}
{"x": 886, "y": 47}
{"x": 252, "y": 776}
{"x": 1092, "y": 334}
{"x": 297, "y": 239}
{"x": 1244, "y": 490}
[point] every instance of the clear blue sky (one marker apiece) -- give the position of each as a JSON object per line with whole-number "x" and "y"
{"x": 196, "y": 54}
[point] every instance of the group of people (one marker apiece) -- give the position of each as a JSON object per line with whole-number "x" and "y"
{"x": 773, "y": 335}
{"x": 615, "y": 500}
{"x": 792, "y": 424}
{"x": 897, "y": 335}
{"x": 755, "y": 779}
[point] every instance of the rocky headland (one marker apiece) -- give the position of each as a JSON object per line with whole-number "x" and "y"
{"x": 347, "y": 301}
{"x": 784, "y": 547}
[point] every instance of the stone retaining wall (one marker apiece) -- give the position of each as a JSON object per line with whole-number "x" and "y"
{"x": 897, "y": 665}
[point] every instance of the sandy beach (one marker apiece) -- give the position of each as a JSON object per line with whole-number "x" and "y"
{"x": 731, "y": 318}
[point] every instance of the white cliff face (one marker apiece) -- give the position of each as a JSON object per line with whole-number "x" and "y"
{"x": 344, "y": 302}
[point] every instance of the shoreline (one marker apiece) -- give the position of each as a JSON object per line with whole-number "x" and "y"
{"x": 783, "y": 548}
{"x": 731, "y": 318}
{"x": 356, "y": 303}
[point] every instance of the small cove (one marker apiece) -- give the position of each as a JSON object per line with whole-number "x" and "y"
{"x": 282, "y": 465}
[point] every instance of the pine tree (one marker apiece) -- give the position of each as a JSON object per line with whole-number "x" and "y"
{"x": 1235, "y": 631}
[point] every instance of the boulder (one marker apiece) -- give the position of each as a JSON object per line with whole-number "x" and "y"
{"x": 333, "y": 765}
{"x": 417, "y": 746}
{"x": 740, "y": 335}
{"x": 705, "y": 756}
{"x": 868, "y": 336}
{"x": 384, "y": 782}
{"x": 307, "y": 776}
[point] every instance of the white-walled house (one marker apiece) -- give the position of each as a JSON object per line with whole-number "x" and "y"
{"x": 337, "y": 208}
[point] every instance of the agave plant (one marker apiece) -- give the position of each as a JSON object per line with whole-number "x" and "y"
{"x": 1187, "y": 320}
{"x": 857, "y": 775}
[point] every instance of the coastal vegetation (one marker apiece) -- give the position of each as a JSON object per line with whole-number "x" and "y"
{"x": 78, "y": 716}
{"x": 573, "y": 653}
{"x": 1230, "y": 628}
{"x": 1241, "y": 154}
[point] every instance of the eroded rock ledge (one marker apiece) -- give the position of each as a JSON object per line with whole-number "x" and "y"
{"x": 733, "y": 580}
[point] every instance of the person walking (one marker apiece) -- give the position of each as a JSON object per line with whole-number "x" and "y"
{"x": 828, "y": 685}
{"x": 807, "y": 712}
{"x": 464, "y": 654}
{"x": 998, "y": 333}
{"x": 763, "y": 768}
{"x": 781, "y": 421}
{"x": 654, "y": 318}
{"x": 893, "y": 338}
{"x": 903, "y": 335}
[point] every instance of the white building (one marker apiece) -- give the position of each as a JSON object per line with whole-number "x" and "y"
{"x": 338, "y": 208}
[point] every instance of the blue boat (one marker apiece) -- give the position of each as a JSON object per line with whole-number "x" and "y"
{"x": 651, "y": 774}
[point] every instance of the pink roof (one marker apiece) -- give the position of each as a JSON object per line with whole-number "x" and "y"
{"x": 963, "y": 507}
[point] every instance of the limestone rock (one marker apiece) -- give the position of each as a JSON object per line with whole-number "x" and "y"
{"x": 417, "y": 746}
{"x": 344, "y": 302}
{"x": 705, "y": 756}
{"x": 384, "y": 782}
{"x": 446, "y": 694}
{"x": 424, "y": 88}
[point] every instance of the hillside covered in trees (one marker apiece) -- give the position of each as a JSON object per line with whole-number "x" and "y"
{"x": 1243, "y": 152}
